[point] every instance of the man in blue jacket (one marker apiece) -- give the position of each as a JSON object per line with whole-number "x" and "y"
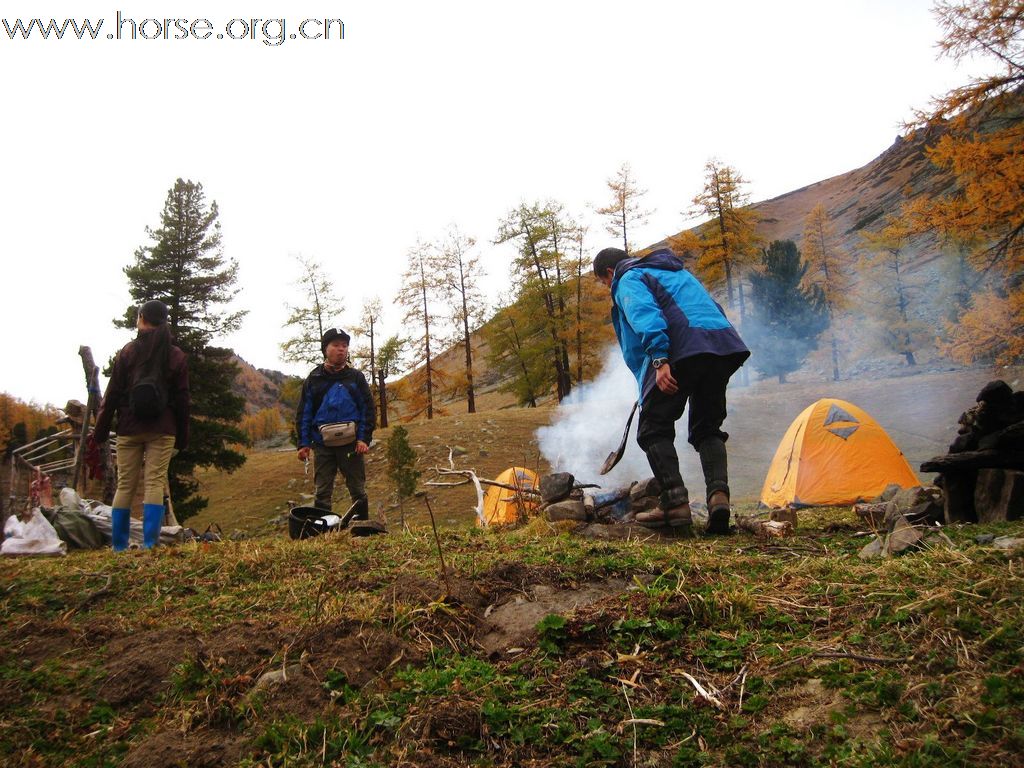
{"x": 334, "y": 396}
{"x": 678, "y": 343}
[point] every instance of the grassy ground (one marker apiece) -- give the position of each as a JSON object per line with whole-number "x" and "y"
{"x": 807, "y": 655}
{"x": 270, "y": 482}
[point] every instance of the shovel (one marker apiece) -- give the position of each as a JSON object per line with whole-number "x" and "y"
{"x": 614, "y": 456}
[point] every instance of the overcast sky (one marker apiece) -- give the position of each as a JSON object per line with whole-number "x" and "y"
{"x": 426, "y": 114}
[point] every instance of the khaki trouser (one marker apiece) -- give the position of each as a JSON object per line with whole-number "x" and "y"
{"x": 327, "y": 462}
{"x": 148, "y": 456}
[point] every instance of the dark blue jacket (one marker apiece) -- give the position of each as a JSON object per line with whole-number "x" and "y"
{"x": 659, "y": 309}
{"x": 330, "y": 397}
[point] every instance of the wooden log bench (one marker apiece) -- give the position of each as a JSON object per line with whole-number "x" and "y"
{"x": 981, "y": 486}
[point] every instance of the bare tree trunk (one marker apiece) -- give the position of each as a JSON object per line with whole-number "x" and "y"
{"x": 373, "y": 362}
{"x": 726, "y": 260}
{"x": 426, "y": 340}
{"x": 563, "y": 343}
{"x": 835, "y": 358}
{"x": 383, "y": 400}
{"x": 903, "y": 302}
{"x": 744, "y": 372}
{"x": 470, "y": 391}
{"x": 92, "y": 384}
{"x": 579, "y": 320}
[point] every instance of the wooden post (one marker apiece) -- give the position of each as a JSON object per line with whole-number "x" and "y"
{"x": 92, "y": 385}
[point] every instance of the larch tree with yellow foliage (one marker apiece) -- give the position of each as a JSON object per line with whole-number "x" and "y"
{"x": 22, "y": 422}
{"x": 457, "y": 265}
{"x": 389, "y": 361}
{"x": 369, "y": 320}
{"x": 625, "y": 209}
{"x": 317, "y": 310}
{"x": 417, "y": 296}
{"x": 541, "y": 232}
{"x": 728, "y": 242}
{"x": 828, "y": 269}
{"x": 981, "y": 144}
{"x": 515, "y": 345}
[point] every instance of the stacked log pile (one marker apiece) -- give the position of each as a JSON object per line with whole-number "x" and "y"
{"x": 616, "y": 508}
{"x": 565, "y": 499}
{"x": 982, "y": 476}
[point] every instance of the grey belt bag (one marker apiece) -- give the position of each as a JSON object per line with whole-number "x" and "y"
{"x": 338, "y": 433}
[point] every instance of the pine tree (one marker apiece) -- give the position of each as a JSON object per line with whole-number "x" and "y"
{"x": 786, "y": 319}
{"x": 624, "y": 210}
{"x": 402, "y": 466}
{"x": 317, "y": 311}
{"x": 828, "y": 270}
{"x": 185, "y": 268}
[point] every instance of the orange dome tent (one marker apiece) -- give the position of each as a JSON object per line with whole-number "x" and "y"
{"x": 834, "y": 453}
{"x": 503, "y": 506}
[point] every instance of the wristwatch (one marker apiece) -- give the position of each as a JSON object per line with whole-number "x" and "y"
{"x": 658, "y": 362}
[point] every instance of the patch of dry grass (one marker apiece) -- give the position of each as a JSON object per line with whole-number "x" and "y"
{"x": 728, "y": 651}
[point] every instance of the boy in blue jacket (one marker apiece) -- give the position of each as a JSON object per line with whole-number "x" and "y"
{"x": 680, "y": 347}
{"x": 334, "y": 394}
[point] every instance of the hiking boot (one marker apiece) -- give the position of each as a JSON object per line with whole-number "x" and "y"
{"x": 673, "y": 509}
{"x": 674, "y": 517}
{"x": 718, "y": 514}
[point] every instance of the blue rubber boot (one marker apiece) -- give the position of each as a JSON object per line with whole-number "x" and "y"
{"x": 152, "y": 519}
{"x": 120, "y": 525}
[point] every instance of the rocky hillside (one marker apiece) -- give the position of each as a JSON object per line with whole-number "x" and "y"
{"x": 260, "y": 387}
{"x": 861, "y": 199}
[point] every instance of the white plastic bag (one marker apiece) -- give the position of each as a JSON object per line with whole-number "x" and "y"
{"x": 34, "y": 536}
{"x": 69, "y": 499}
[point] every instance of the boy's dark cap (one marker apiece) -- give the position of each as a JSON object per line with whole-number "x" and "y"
{"x": 330, "y": 335}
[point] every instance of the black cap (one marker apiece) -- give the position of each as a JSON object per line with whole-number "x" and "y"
{"x": 330, "y": 335}
{"x": 154, "y": 312}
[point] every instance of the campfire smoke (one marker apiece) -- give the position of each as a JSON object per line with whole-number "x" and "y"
{"x": 588, "y": 426}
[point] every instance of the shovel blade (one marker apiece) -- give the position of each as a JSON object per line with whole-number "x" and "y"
{"x": 614, "y": 456}
{"x": 611, "y": 461}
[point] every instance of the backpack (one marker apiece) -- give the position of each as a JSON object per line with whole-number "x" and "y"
{"x": 148, "y": 398}
{"x": 350, "y": 387}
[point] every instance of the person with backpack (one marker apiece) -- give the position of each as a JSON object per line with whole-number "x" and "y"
{"x": 682, "y": 349}
{"x": 334, "y": 421}
{"x": 148, "y": 393}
